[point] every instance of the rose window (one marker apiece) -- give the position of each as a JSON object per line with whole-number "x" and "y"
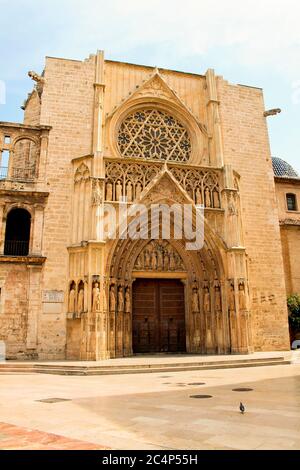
{"x": 154, "y": 135}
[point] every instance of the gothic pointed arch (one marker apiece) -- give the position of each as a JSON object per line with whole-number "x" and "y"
{"x": 184, "y": 138}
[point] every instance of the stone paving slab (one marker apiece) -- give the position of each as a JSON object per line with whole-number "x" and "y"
{"x": 19, "y": 438}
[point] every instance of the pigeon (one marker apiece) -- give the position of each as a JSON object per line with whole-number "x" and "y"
{"x": 242, "y": 408}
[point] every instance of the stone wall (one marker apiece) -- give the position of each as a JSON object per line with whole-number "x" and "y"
{"x": 67, "y": 103}
{"x": 246, "y": 148}
{"x": 14, "y": 281}
{"x": 290, "y": 236}
{"x": 32, "y": 111}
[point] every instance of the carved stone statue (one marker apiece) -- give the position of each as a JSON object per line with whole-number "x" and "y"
{"x": 172, "y": 261}
{"x": 231, "y": 205}
{"x": 198, "y": 196}
{"x": 166, "y": 261}
{"x": 218, "y": 298}
{"x": 207, "y": 198}
{"x": 195, "y": 301}
{"x": 97, "y": 192}
{"x": 120, "y": 300}
{"x": 109, "y": 192}
{"x": 96, "y": 298}
{"x": 112, "y": 299}
{"x": 147, "y": 259}
{"x": 129, "y": 192}
{"x": 139, "y": 262}
{"x": 242, "y": 297}
{"x": 119, "y": 191}
{"x": 154, "y": 261}
{"x": 81, "y": 300}
{"x": 232, "y": 297}
{"x": 159, "y": 258}
{"x": 72, "y": 299}
{"x": 127, "y": 301}
{"x": 138, "y": 190}
{"x": 216, "y": 199}
{"x": 206, "y": 300}
{"x": 159, "y": 255}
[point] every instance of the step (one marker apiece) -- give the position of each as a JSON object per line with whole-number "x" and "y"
{"x": 156, "y": 365}
{"x": 81, "y": 370}
{"x": 117, "y": 371}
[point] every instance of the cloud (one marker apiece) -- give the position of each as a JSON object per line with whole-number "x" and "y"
{"x": 254, "y": 33}
{"x": 250, "y": 41}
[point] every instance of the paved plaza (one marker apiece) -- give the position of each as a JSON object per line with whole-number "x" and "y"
{"x": 153, "y": 411}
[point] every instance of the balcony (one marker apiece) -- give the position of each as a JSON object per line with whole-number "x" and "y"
{"x": 16, "y": 248}
{"x": 17, "y": 174}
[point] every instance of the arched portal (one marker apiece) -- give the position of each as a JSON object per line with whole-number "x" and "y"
{"x": 215, "y": 306}
{"x": 163, "y": 298}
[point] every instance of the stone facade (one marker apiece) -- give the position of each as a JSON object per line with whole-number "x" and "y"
{"x": 290, "y": 230}
{"x": 97, "y": 130}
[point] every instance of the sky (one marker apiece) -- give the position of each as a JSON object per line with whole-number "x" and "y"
{"x": 255, "y": 43}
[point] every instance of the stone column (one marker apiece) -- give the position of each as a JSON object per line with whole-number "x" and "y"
{"x": 99, "y": 86}
{"x": 127, "y": 324}
{"x": 112, "y": 319}
{"x": 215, "y": 132}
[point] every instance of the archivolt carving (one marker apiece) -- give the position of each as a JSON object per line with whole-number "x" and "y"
{"x": 154, "y": 134}
{"x": 159, "y": 255}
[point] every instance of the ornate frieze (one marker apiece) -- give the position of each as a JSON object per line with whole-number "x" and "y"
{"x": 159, "y": 255}
{"x": 130, "y": 179}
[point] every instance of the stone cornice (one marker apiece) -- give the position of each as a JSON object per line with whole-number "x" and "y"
{"x": 289, "y": 222}
{"x": 29, "y": 260}
{"x": 22, "y": 193}
{"x": 287, "y": 180}
{"x": 24, "y": 126}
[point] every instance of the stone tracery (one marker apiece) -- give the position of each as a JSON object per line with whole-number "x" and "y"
{"x": 154, "y": 134}
{"x": 130, "y": 179}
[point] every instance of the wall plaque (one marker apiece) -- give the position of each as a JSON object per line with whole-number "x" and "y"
{"x": 53, "y": 296}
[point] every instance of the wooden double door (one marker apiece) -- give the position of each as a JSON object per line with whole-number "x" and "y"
{"x": 158, "y": 316}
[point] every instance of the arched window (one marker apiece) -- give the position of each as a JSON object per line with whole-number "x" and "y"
{"x": 17, "y": 233}
{"x": 291, "y": 201}
{"x": 154, "y": 134}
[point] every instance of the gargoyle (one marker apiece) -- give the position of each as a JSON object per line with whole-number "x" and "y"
{"x": 272, "y": 112}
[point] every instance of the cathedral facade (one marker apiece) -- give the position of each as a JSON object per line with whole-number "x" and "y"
{"x": 98, "y": 132}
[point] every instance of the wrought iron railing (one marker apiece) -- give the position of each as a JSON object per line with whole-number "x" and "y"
{"x": 16, "y": 248}
{"x": 3, "y": 172}
{"x": 24, "y": 174}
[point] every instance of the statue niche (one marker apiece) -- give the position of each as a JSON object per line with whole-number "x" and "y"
{"x": 72, "y": 298}
{"x": 112, "y": 299}
{"x": 159, "y": 255}
{"x": 96, "y": 297}
{"x": 120, "y": 300}
{"x": 80, "y": 299}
